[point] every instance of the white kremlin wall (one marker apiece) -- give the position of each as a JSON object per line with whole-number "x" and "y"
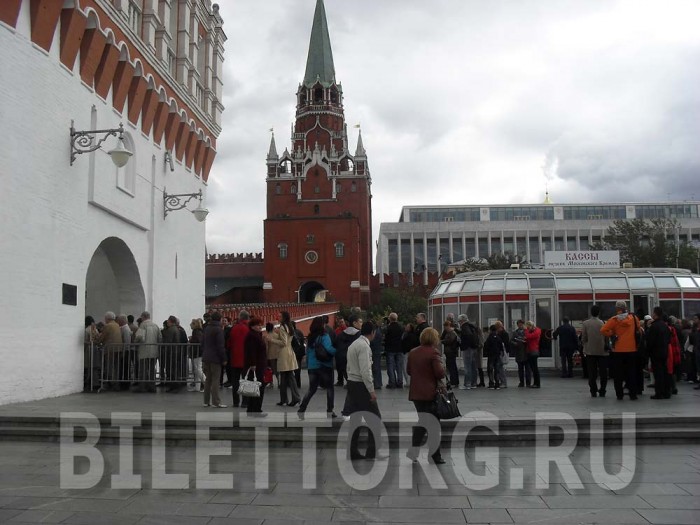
{"x": 54, "y": 216}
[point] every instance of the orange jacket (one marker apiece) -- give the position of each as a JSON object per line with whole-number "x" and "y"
{"x": 624, "y": 330}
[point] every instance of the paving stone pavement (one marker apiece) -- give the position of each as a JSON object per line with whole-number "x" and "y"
{"x": 663, "y": 481}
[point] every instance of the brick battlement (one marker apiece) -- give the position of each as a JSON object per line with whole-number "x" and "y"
{"x": 227, "y": 258}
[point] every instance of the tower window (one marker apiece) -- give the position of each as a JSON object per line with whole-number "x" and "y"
{"x": 338, "y": 187}
{"x": 339, "y": 249}
{"x": 317, "y": 189}
{"x": 283, "y": 250}
{"x": 317, "y": 209}
{"x": 310, "y": 238}
{"x": 353, "y": 187}
{"x": 278, "y": 189}
{"x": 294, "y": 189}
{"x": 318, "y": 95}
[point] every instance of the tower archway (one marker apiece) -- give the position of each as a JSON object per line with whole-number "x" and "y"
{"x": 312, "y": 292}
{"x": 113, "y": 281}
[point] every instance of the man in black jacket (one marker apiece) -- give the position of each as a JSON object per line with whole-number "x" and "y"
{"x": 658, "y": 337}
{"x": 394, "y": 355}
{"x": 568, "y": 344}
{"x": 342, "y": 343}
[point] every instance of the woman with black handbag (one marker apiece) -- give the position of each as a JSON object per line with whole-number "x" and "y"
{"x": 426, "y": 370}
{"x": 256, "y": 361}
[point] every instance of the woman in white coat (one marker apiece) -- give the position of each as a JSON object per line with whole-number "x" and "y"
{"x": 286, "y": 360}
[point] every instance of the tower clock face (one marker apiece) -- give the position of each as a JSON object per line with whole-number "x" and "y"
{"x": 311, "y": 257}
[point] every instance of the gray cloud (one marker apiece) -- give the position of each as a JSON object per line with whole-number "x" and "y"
{"x": 464, "y": 101}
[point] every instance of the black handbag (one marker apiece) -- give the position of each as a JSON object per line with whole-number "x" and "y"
{"x": 445, "y": 406}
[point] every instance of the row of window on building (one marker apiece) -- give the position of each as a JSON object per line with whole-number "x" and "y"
{"x": 544, "y": 213}
{"x": 428, "y": 254}
{"x": 317, "y": 189}
{"x": 283, "y": 248}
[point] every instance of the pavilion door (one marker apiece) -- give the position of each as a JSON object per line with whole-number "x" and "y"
{"x": 545, "y": 319}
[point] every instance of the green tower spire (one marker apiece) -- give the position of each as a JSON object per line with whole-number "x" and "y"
{"x": 319, "y": 64}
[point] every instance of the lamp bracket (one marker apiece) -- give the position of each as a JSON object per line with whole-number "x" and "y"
{"x": 174, "y": 202}
{"x": 84, "y": 141}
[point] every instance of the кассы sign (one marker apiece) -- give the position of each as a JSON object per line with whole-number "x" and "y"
{"x": 582, "y": 259}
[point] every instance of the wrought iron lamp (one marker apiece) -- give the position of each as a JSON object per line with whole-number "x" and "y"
{"x": 179, "y": 201}
{"x": 84, "y": 142}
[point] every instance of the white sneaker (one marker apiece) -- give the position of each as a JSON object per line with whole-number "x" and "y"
{"x": 462, "y": 387}
{"x": 206, "y": 405}
{"x": 220, "y": 406}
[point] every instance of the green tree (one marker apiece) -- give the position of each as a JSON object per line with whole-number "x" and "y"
{"x": 406, "y": 301}
{"x": 648, "y": 244}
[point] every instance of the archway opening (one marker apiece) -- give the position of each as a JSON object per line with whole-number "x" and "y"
{"x": 113, "y": 282}
{"x": 312, "y": 292}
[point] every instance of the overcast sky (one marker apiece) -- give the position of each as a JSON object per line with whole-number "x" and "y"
{"x": 469, "y": 102}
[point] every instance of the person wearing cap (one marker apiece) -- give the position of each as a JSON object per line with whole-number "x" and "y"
{"x": 624, "y": 327}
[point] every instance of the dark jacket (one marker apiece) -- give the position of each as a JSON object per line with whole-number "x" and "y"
{"x": 196, "y": 339}
{"x": 255, "y": 351}
{"x": 426, "y": 370}
{"x": 213, "y": 349}
{"x": 343, "y": 342}
{"x": 450, "y": 343}
{"x": 568, "y": 340}
{"x": 493, "y": 346}
{"x": 392, "y": 338}
{"x": 658, "y": 337}
{"x": 421, "y": 327}
{"x": 409, "y": 341}
{"x": 517, "y": 345}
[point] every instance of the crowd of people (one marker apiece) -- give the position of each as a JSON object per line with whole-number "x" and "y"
{"x": 219, "y": 354}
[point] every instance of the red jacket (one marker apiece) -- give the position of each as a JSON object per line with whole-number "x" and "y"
{"x": 426, "y": 370}
{"x": 532, "y": 340}
{"x": 236, "y": 344}
{"x": 674, "y": 350}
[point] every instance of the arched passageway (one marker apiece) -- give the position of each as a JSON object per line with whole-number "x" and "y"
{"x": 113, "y": 282}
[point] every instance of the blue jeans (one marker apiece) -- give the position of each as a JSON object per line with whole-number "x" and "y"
{"x": 469, "y": 358}
{"x": 394, "y": 368}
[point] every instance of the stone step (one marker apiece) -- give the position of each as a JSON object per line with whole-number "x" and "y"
{"x": 511, "y": 433}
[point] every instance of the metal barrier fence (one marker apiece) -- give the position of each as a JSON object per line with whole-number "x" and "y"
{"x": 117, "y": 367}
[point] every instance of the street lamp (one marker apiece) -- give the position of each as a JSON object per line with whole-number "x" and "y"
{"x": 174, "y": 202}
{"x": 84, "y": 142}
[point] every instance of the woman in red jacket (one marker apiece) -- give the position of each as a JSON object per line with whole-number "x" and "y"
{"x": 532, "y": 349}
{"x": 426, "y": 371}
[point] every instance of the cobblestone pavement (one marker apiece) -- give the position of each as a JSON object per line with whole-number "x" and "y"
{"x": 664, "y": 489}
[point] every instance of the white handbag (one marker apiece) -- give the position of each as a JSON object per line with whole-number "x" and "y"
{"x": 249, "y": 388}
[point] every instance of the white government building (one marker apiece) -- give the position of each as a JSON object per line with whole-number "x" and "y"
{"x": 428, "y": 238}
{"x": 80, "y": 235}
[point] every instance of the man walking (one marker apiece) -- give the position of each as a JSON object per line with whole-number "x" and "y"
{"x": 596, "y": 352}
{"x": 361, "y": 397}
{"x": 342, "y": 343}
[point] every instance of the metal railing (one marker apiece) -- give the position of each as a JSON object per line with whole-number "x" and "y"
{"x": 120, "y": 366}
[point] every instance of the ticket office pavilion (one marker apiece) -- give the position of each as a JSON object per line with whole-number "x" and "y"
{"x": 547, "y": 296}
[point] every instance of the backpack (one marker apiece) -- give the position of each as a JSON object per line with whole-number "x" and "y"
{"x": 470, "y": 336}
{"x": 322, "y": 355}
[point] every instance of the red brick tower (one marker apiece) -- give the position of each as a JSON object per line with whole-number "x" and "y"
{"x": 318, "y": 231}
